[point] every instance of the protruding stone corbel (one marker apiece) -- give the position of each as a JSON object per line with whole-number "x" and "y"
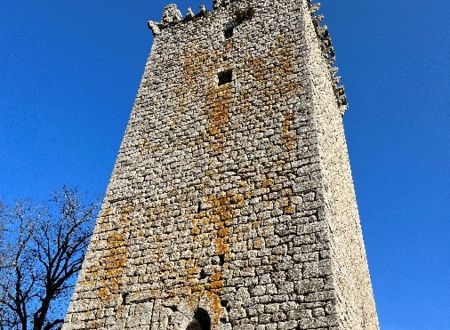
{"x": 342, "y": 103}
{"x": 314, "y": 8}
{"x": 203, "y": 10}
{"x": 341, "y": 98}
{"x": 171, "y": 15}
{"x": 337, "y": 80}
{"x": 327, "y": 42}
{"x": 317, "y": 20}
{"x": 323, "y": 32}
{"x": 190, "y": 14}
{"x": 340, "y": 90}
{"x": 153, "y": 26}
{"x": 331, "y": 55}
{"x": 217, "y": 3}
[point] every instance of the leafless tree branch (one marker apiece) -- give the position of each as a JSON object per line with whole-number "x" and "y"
{"x": 43, "y": 249}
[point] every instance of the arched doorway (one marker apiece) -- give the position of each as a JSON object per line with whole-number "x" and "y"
{"x": 201, "y": 320}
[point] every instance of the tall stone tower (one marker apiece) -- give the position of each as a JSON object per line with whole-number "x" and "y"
{"x": 231, "y": 204}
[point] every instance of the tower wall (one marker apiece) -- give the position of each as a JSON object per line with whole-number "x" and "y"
{"x": 354, "y": 296}
{"x": 232, "y": 200}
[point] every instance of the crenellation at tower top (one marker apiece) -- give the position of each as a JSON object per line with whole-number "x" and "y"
{"x": 172, "y": 16}
{"x": 328, "y": 52}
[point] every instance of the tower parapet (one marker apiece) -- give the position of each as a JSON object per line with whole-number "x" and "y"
{"x": 329, "y": 54}
{"x": 172, "y": 16}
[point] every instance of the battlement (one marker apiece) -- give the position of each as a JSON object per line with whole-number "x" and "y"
{"x": 172, "y": 16}
{"x": 328, "y": 52}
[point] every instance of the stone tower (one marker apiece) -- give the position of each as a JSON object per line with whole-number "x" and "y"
{"x": 231, "y": 204}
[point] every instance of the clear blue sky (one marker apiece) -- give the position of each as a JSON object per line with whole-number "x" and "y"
{"x": 69, "y": 71}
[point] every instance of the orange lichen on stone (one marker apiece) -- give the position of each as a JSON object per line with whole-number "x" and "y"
{"x": 289, "y": 210}
{"x": 224, "y": 232}
{"x": 107, "y": 273}
{"x": 258, "y": 243}
{"x": 141, "y": 233}
{"x": 124, "y": 216}
{"x": 217, "y": 276}
{"x": 104, "y": 294}
{"x": 113, "y": 267}
{"x": 272, "y": 72}
{"x": 217, "y": 220}
{"x": 155, "y": 213}
{"x": 147, "y": 146}
{"x": 237, "y": 199}
{"x": 217, "y": 282}
{"x": 222, "y": 247}
{"x": 194, "y": 61}
{"x": 218, "y": 105}
{"x": 217, "y": 285}
{"x": 218, "y": 118}
{"x": 268, "y": 183}
{"x": 258, "y": 69}
{"x": 213, "y": 224}
{"x": 95, "y": 324}
{"x": 115, "y": 240}
{"x": 288, "y": 134}
{"x": 106, "y": 212}
{"x": 222, "y": 208}
{"x": 198, "y": 64}
{"x": 196, "y": 230}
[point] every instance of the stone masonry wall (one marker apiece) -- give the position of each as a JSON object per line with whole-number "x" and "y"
{"x": 230, "y": 200}
{"x": 355, "y": 304}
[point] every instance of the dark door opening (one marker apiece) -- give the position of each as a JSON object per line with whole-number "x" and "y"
{"x": 201, "y": 321}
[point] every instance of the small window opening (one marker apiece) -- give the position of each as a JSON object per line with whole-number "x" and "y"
{"x": 201, "y": 321}
{"x": 244, "y": 14}
{"x": 229, "y": 32}
{"x": 222, "y": 260}
{"x": 202, "y": 275}
{"x": 224, "y": 303}
{"x": 225, "y": 77}
{"x": 124, "y": 298}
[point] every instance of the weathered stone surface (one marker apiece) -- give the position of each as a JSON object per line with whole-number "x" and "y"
{"x": 231, "y": 204}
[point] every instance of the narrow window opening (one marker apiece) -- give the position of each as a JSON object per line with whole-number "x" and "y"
{"x": 224, "y": 303}
{"x": 202, "y": 275}
{"x": 229, "y": 32}
{"x": 222, "y": 260}
{"x": 124, "y": 298}
{"x": 225, "y": 77}
{"x": 201, "y": 321}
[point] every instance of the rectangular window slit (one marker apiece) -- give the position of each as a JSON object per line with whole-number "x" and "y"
{"x": 229, "y": 32}
{"x": 225, "y": 77}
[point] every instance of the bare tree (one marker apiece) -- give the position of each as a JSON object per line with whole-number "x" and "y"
{"x": 41, "y": 251}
